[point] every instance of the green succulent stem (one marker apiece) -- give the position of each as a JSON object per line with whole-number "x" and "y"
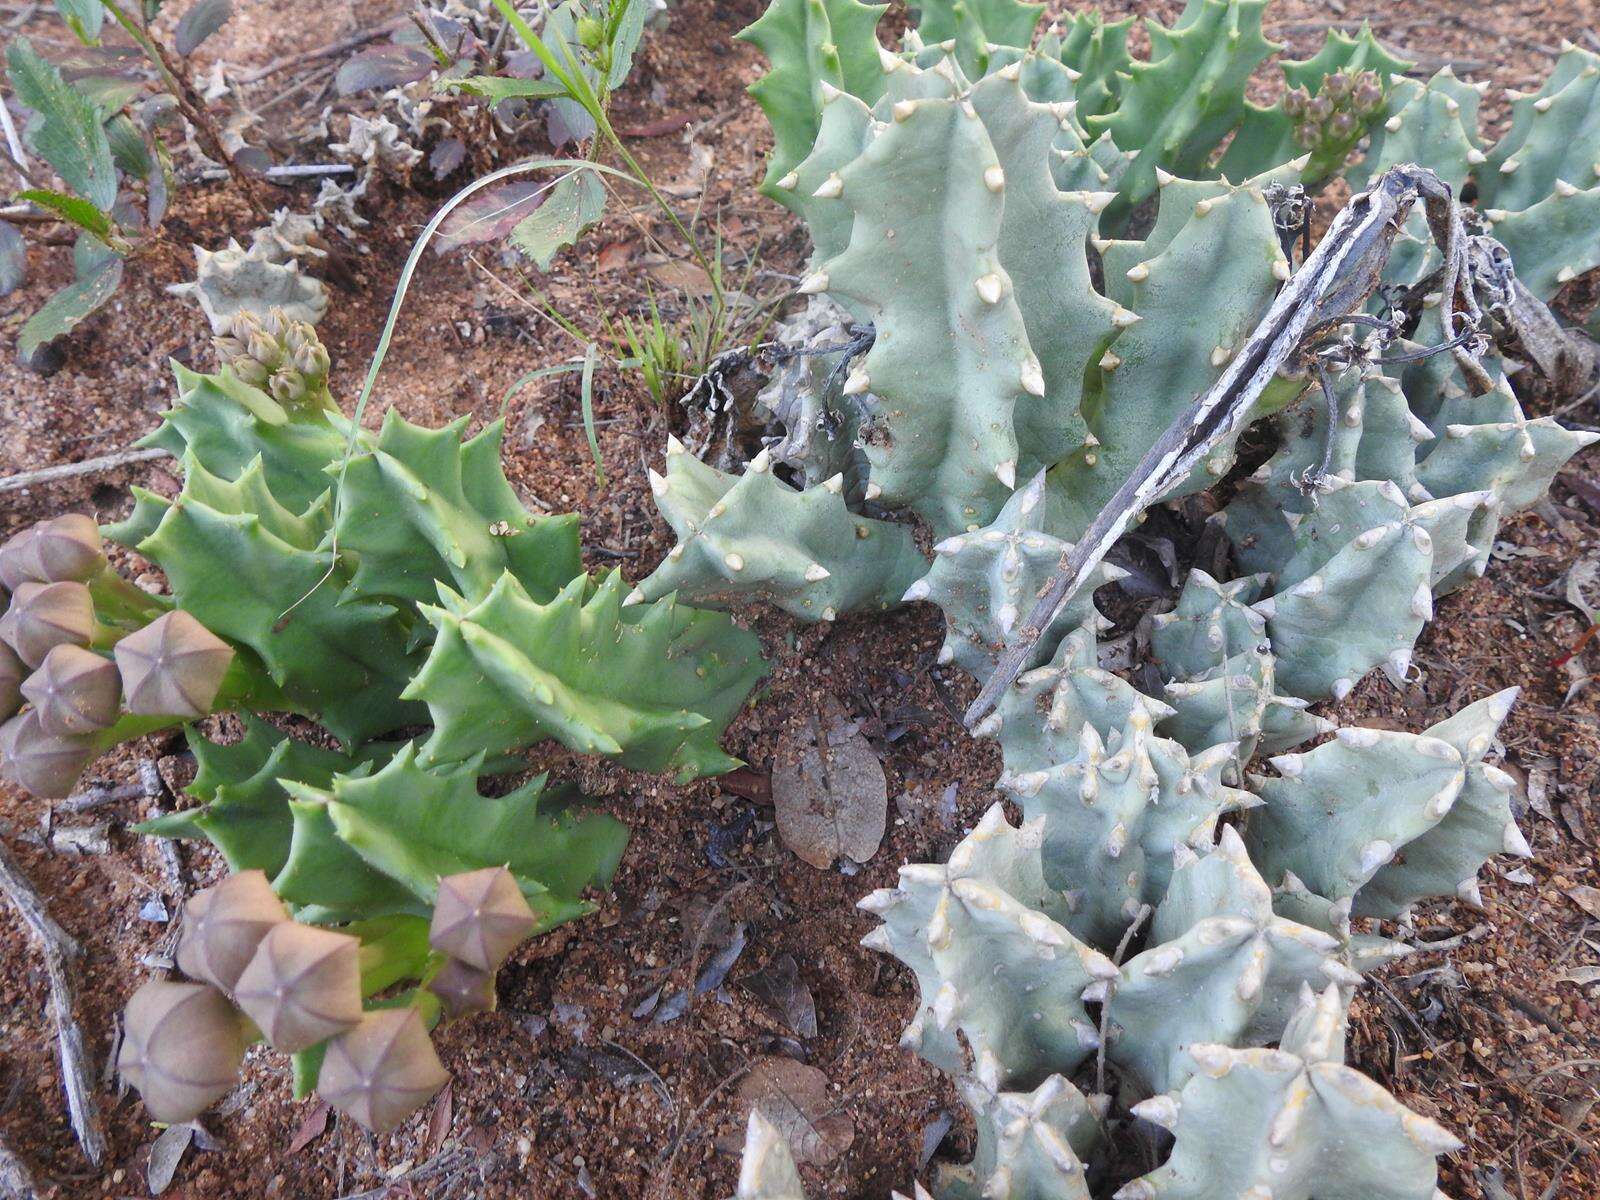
{"x": 122, "y": 605}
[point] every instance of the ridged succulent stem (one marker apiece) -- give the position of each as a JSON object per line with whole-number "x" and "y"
{"x": 123, "y": 605}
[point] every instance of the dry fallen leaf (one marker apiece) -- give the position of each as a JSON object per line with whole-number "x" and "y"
{"x": 794, "y": 1097}
{"x": 828, "y": 790}
{"x": 785, "y": 995}
{"x": 1580, "y": 975}
{"x": 313, "y": 1127}
{"x": 166, "y": 1152}
{"x": 614, "y": 256}
{"x": 685, "y": 276}
{"x": 1586, "y": 898}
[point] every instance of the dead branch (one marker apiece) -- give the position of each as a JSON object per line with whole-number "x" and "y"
{"x": 59, "y": 949}
{"x": 89, "y": 466}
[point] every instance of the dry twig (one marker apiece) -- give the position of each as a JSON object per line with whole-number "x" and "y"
{"x": 59, "y": 948}
{"x": 89, "y": 466}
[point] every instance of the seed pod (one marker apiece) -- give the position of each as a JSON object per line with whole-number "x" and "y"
{"x": 181, "y": 1047}
{"x": 67, "y": 547}
{"x": 14, "y": 568}
{"x": 46, "y": 615}
{"x": 463, "y": 989}
{"x": 302, "y": 985}
{"x": 74, "y": 691}
{"x": 480, "y": 917}
{"x": 12, "y": 671}
{"x": 383, "y": 1070}
{"x": 47, "y": 765}
{"x": 223, "y": 927}
{"x": 172, "y": 667}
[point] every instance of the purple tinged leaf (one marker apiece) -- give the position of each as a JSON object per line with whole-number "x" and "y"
{"x": 491, "y": 214}
{"x": 383, "y": 67}
{"x": 449, "y": 154}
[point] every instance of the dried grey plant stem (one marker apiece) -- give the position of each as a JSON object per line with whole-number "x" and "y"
{"x": 59, "y": 949}
{"x": 89, "y": 466}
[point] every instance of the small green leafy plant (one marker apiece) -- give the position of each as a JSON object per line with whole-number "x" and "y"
{"x": 99, "y": 133}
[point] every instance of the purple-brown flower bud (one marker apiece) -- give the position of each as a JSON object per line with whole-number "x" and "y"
{"x": 14, "y": 568}
{"x": 172, "y": 667}
{"x": 223, "y": 927}
{"x": 1294, "y": 102}
{"x": 1342, "y": 126}
{"x": 480, "y": 917}
{"x": 1336, "y": 86}
{"x": 1319, "y": 108}
{"x": 67, "y": 547}
{"x": 302, "y": 985}
{"x": 1368, "y": 92}
{"x": 463, "y": 990}
{"x": 74, "y": 691}
{"x": 47, "y": 765}
{"x": 12, "y": 672}
{"x": 46, "y": 615}
{"x": 181, "y": 1047}
{"x": 383, "y": 1070}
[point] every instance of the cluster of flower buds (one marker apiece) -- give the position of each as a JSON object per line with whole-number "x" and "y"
{"x": 276, "y": 353}
{"x": 72, "y": 672}
{"x": 1338, "y": 112}
{"x": 256, "y": 969}
{"x": 479, "y": 918}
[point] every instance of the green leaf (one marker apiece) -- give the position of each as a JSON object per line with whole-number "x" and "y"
{"x": 625, "y": 39}
{"x": 501, "y": 87}
{"x": 75, "y": 210}
{"x": 89, "y": 254}
{"x": 84, "y": 17}
{"x": 64, "y": 311}
{"x": 128, "y": 148}
{"x": 69, "y": 135}
{"x": 651, "y": 685}
{"x": 573, "y": 205}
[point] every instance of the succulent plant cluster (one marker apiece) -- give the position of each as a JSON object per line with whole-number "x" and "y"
{"x": 371, "y": 584}
{"x": 997, "y": 358}
{"x": 258, "y": 974}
